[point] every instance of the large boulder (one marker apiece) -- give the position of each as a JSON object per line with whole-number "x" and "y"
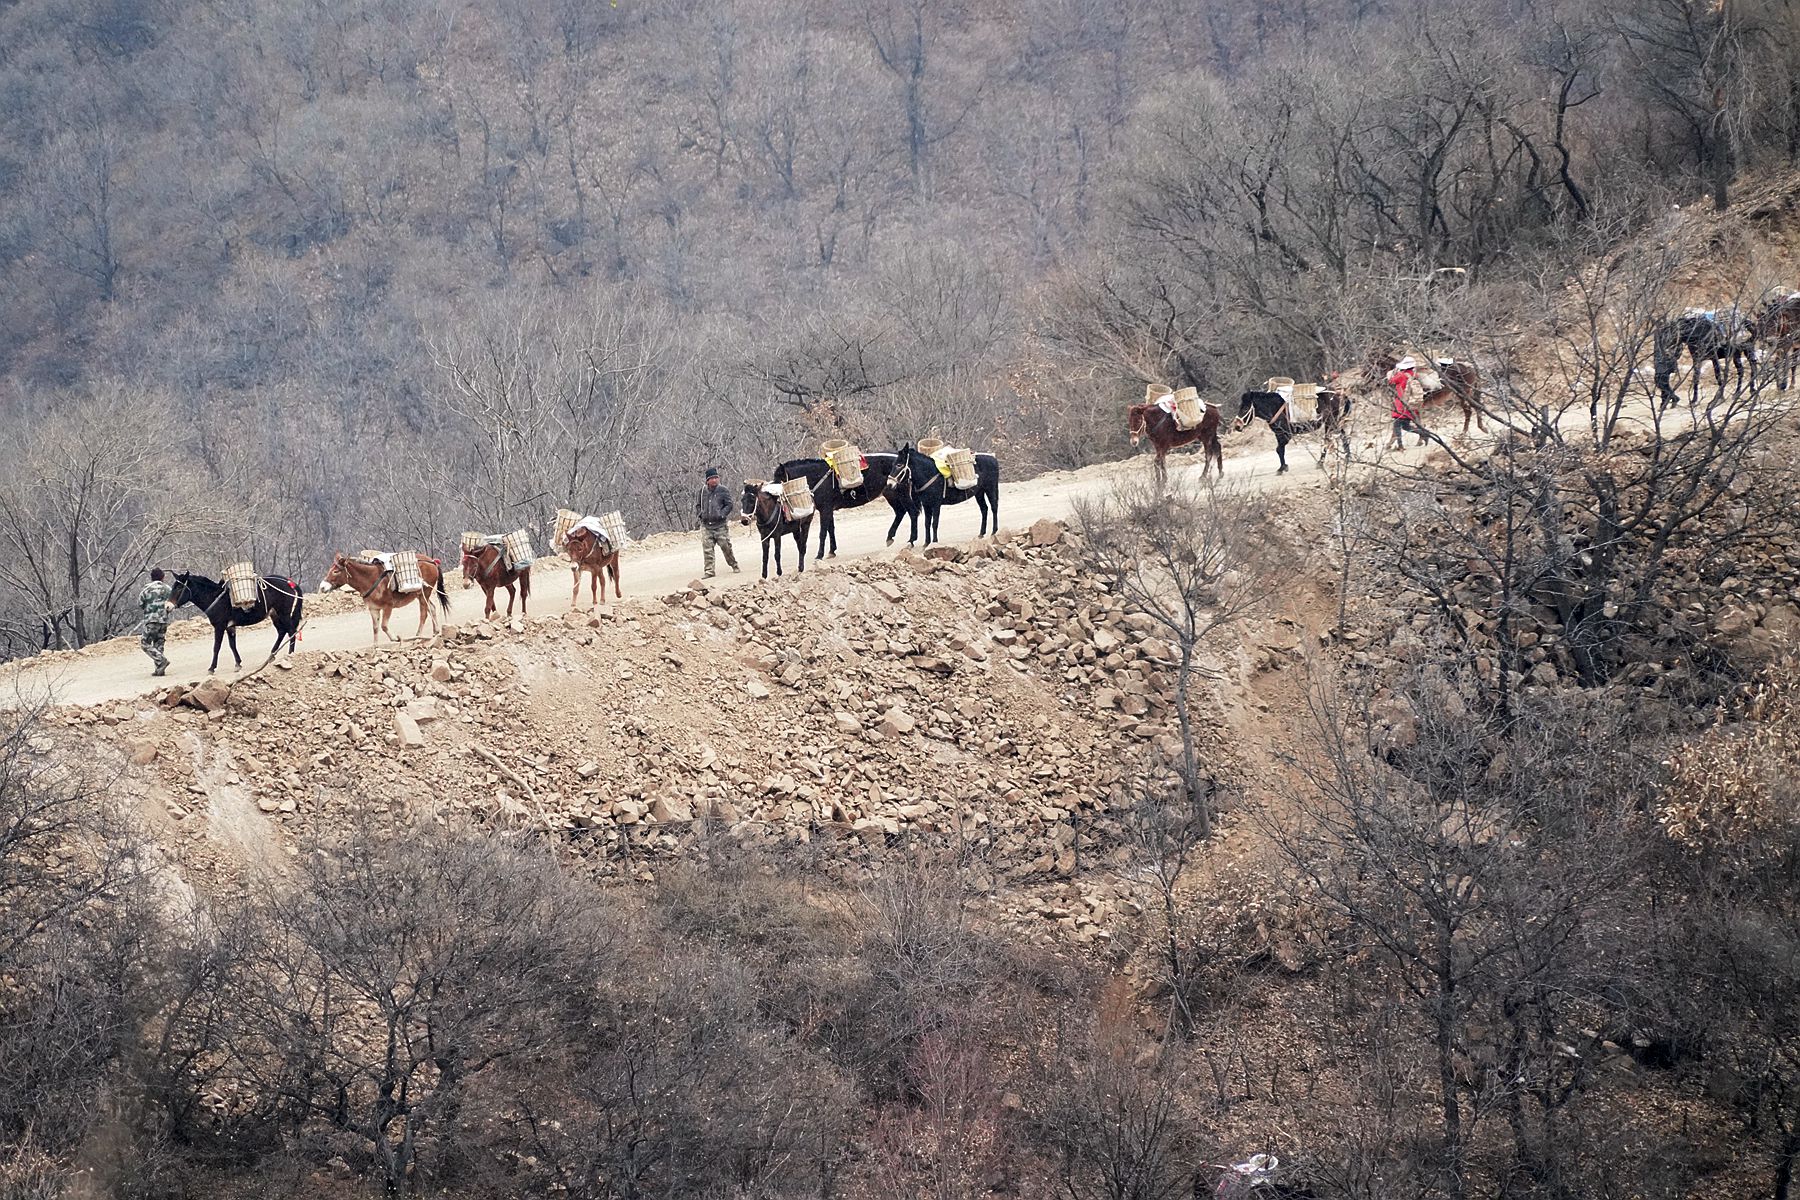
{"x": 209, "y": 694}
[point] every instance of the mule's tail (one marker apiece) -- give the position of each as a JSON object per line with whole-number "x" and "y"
{"x": 443, "y": 594}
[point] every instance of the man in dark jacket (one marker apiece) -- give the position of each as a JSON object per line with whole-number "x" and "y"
{"x": 715, "y": 510}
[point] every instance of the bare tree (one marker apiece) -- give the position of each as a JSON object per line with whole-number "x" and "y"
{"x": 95, "y": 495}
{"x": 1194, "y": 562}
{"x": 1470, "y": 851}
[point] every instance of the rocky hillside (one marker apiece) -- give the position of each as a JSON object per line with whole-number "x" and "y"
{"x": 989, "y": 699}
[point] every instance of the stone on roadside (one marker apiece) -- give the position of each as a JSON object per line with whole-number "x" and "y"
{"x": 407, "y": 732}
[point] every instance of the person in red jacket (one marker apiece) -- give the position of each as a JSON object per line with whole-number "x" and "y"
{"x": 1404, "y": 378}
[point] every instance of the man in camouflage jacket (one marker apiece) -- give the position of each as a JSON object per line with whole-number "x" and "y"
{"x": 157, "y": 605}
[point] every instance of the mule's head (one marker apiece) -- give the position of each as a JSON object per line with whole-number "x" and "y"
{"x": 178, "y": 593}
{"x": 338, "y": 574}
{"x": 751, "y": 498}
{"x": 1136, "y": 417}
{"x": 471, "y": 565}
{"x": 899, "y": 476}
{"x": 1246, "y": 410}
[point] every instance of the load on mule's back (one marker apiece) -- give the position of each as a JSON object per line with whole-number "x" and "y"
{"x": 592, "y": 544}
{"x": 387, "y": 581}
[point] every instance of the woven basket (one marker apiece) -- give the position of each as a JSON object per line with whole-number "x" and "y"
{"x": 796, "y": 494}
{"x": 406, "y": 572}
{"x": 844, "y": 460}
{"x": 517, "y": 549}
{"x": 613, "y": 523}
{"x": 472, "y": 540}
{"x": 240, "y": 580}
{"x": 1156, "y": 391}
{"x": 1277, "y": 383}
{"x": 565, "y": 521}
{"x": 1188, "y": 409}
{"x": 930, "y": 446}
{"x": 962, "y": 468}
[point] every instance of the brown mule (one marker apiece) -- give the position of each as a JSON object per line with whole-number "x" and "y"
{"x": 376, "y": 584}
{"x": 484, "y": 565}
{"x": 598, "y": 557}
{"x": 1147, "y": 420}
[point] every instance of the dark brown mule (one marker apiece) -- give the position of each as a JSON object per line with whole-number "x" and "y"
{"x": 1277, "y": 411}
{"x": 1777, "y": 326}
{"x": 486, "y": 566}
{"x": 1149, "y": 421}
{"x": 376, "y": 584}
{"x": 1457, "y": 381}
{"x": 594, "y": 554}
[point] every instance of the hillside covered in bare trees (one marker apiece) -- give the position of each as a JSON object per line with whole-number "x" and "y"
{"x": 1417, "y": 824}
{"x": 280, "y": 279}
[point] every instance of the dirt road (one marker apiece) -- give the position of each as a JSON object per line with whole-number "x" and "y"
{"x": 650, "y": 569}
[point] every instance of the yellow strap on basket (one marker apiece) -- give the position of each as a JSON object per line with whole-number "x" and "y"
{"x": 941, "y": 457}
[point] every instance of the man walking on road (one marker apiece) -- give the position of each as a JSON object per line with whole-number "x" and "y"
{"x": 155, "y": 602}
{"x": 715, "y": 510}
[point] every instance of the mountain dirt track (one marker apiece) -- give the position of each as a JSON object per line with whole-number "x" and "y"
{"x": 667, "y": 562}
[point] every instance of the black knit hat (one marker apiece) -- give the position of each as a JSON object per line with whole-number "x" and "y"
{"x": 712, "y": 472}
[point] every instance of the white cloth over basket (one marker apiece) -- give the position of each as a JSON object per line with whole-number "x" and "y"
{"x": 591, "y": 525}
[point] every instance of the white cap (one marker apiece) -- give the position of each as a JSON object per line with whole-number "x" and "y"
{"x": 1406, "y": 364}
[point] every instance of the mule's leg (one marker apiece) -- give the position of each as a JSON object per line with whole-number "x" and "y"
{"x": 374, "y": 624}
{"x": 218, "y": 640}
{"x": 800, "y": 544}
{"x": 1281, "y": 453}
{"x": 231, "y": 640}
